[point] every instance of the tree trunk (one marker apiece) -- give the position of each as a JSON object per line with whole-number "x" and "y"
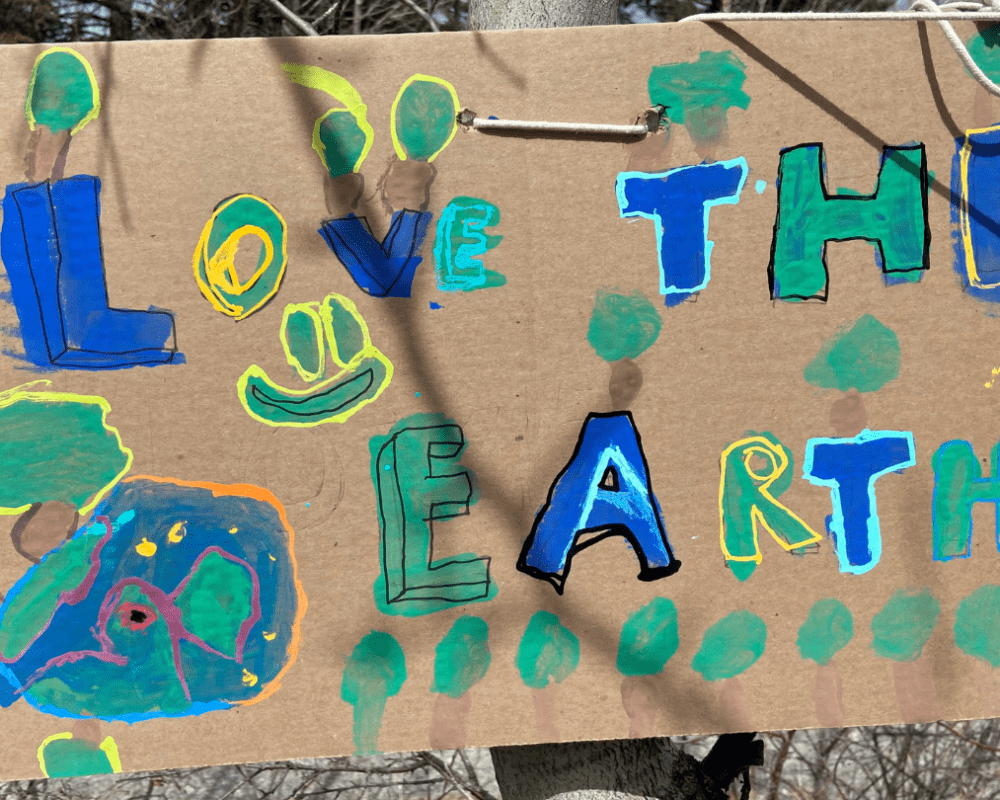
{"x": 493, "y": 15}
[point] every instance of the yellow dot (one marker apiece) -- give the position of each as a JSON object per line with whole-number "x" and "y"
{"x": 270, "y": 636}
{"x": 233, "y": 529}
{"x": 271, "y": 557}
{"x": 249, "y": 679}
{"x": 177, "y": 532}
{"x": 145, "y": 548}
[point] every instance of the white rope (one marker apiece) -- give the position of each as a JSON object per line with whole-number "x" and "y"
{"x": 987, "y": 11}
{"x": 469, "y": 119}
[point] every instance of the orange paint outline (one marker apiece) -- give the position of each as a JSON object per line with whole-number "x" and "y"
{"x": 265, "y": 496}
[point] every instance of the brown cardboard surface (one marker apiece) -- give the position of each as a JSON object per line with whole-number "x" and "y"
{"x": 184, "y": 125}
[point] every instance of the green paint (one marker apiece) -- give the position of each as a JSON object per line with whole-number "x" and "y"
{"x": 374, "y": 672}
{"x": 649, "y": 638}
{"x": 743, "y": 498}
{"x": 32, "y": 606}
{"x": 827, "y": 629}
{"x": 977, "y": 624}
{"x": 622, "y": 326}
{"x": 56, "y": 450}
{"x": 462, "y": 657}
{"x": 303, "y": 337}
{"x": 425, "y": 119}
{"x": 268, "y": 401}
{"x": 548, "y": 651}
{"x": 958, "y": 485}
{"x": 343, "y": 141}
{"x": 419, "y": 478}
{"x": 61, "y": 93}
{"x": 905, "y": 623}
{"x": 731, "y": 646}
{"x": 697, "y": 94}
{"x": 460, "y": 242}
{"x": 895, "y": 215}
{"x": 348, "y": 338}
{"x": 216, "y": 601}
{"x": 864, "y": 356}
{"x": 984, "y": 47}
{"x": 70, "y": 758}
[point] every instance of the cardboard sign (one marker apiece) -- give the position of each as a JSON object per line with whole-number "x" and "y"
{"x": 329, "y": 426}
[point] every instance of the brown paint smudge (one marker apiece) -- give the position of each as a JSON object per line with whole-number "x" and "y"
{"x": 709, "y": 131}
{"x": 407, "y": 185}
{"x": 342, "y": 193}
{"x": 733, "y": 704}
{"x": 625, "y": 383}
{"x": 42, "y": 528}
{"x": 915, "y": 691}
{"x": 545, "y": 712}
{"x": 848, "y": 416}
{"x": 448, "y": 721}
{"x": 650, "y": 154}
{"x": 828, "y": 696}
{"x": 987, "y": 682}
{"x": 639, "y": 702}
{"x": 46, "y": 157}
{"x": 87, "y": 729}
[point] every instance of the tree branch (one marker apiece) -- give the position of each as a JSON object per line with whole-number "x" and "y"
{"x": 294, "y": 18}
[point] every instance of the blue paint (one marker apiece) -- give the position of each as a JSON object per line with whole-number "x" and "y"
{"x": 416, "y": 394}
{"x": 51, "y": 247}
{"x": 307, "y": 505}
{"x": 461, "y": 242}
{"x": 383, "y": 269}
{"x": 604, "y": 490}
{"x": 983, "y": 212}
{"x": 435, "y": 306}
{"x": 679, "y": 202}
{"x": 850, "y": 468}
{"x": 760, "y": 186}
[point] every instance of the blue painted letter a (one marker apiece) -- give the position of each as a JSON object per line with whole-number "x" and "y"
{"x": 603, "y": 491}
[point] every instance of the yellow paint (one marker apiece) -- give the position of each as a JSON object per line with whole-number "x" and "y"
{"x": 759, "y": 446}
{"x": 23, "y": 392}
{"x": 233, "y": 529}
{"x": 92, "y": 114}
{"x": 270, "y": 636}
{"x": 145, "y": 548}
{"x": 392, "y": 117}
{"x": 220, "y": 267}
{"x": 271, "y": 557}
{"x": 966, "y": 226}
{"x": 249, "y": 679}
{"x": 341, "y": 90}
{"x": 368, "y": 350}
{"x": 111, "y": 751}
{"x": 177, "y": 532}
{"x": 993, "y": 377}
{"x": 311, "y": 310}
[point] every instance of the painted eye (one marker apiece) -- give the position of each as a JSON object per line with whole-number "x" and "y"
{"x": 136, "y": 616}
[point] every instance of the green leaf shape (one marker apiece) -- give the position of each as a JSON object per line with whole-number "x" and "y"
{"x": 62, "y": 91}
{"x": 548, "y": 651}
{"x": 462, "y": 657}
{"x": 57, "y": 447}
{"x": 70, "y": 758}
{"x": 685, "y": 89}
{"x": 649, "y": 638}
{"x": 424, "y": 117}
{"x": 342, "y": 141}
{"x": 905, "y": 623}
{"x": 730, "y": 646}
{"x": 864, "y": 357}
{"x": 827, "y": 629}
{"x": 216, "y": 601}
{"x": 622, "y": 326}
